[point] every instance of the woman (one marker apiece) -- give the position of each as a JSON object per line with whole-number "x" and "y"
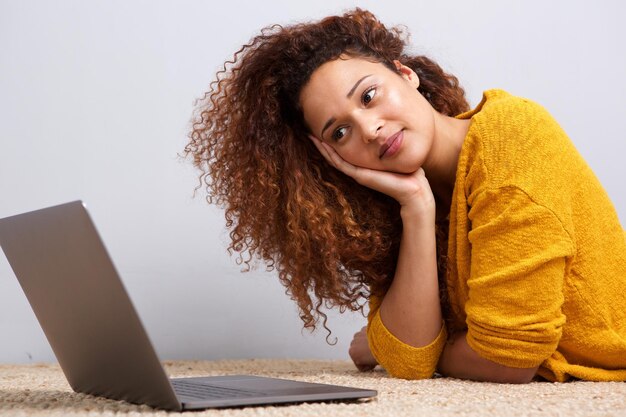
{"x": 485, "y": 245}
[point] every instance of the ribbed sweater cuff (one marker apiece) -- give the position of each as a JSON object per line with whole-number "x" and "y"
{"x": 400, "y": 359}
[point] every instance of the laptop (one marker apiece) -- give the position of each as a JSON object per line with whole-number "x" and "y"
{"x": 95, "y": 332}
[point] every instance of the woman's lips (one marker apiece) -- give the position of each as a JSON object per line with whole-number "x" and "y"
{"x": 391, "y": 145}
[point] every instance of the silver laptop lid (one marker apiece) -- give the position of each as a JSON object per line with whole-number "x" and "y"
{"x": 68, "y": 277}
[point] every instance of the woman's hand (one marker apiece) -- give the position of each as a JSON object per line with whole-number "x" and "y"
{"x": 412, "y": 191}
{"x": 360, "y": 351}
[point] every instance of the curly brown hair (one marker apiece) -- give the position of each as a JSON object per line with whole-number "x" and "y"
{"x": 333, "y": 241}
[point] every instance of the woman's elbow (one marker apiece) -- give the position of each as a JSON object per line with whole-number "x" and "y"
{"x": 510, "y": 376}
{"x": 520, "y": 376}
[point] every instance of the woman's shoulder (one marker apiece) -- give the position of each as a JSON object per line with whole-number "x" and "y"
{"x": 514, "y": 141}
{"x": 512, "y": 128}
{"x": 498, "y": 107}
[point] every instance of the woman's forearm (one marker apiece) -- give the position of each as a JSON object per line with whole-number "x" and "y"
{"x": 411, "y": 309}
{"x": 458, "y": 360}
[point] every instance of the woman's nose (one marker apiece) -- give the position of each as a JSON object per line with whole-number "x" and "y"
{"x": 370, "y": 129}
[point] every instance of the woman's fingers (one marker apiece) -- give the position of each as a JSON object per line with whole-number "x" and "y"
{"x": 360, "y": 175}
{"x": 402, "y": 187}
{"x": 360, "y": 353}
{"x": 333, "y": 157}
{"x": 320, "y": 148}
{"x": 377, "y": 180}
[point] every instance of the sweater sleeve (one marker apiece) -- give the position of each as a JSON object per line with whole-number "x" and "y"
{"x": 398, "y": 358}
{"x": 519, "y": 251}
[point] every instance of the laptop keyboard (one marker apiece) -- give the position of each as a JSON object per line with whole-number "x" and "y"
{"x": 203, "y": 391}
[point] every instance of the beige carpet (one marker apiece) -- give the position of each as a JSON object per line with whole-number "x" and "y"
{"x": 41, "y": 390}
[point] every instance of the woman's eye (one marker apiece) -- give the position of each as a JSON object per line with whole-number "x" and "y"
{"x": 339, "y": 133}
{"x": 368, "y": 95}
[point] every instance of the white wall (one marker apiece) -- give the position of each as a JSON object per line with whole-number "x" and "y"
{"x": 95, "y": 100}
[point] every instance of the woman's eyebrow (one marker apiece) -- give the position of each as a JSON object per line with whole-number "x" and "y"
{"x": 349, "y": 95}
{"x": 356, "y": 85}
{"x": 327, "y": 125}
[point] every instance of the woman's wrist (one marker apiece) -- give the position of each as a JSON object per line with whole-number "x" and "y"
{"x": 418, "y": 213}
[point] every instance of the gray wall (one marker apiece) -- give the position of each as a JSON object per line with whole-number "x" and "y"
{"x": 95, "y": 100}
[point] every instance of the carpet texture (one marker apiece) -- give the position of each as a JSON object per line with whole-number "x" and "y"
{"x": 41, "y": 390}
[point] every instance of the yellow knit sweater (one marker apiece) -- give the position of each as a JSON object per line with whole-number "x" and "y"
{"x": 536, "y": 254}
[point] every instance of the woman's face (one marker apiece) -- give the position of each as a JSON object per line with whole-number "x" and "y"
{"x": 372, "y": 116}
